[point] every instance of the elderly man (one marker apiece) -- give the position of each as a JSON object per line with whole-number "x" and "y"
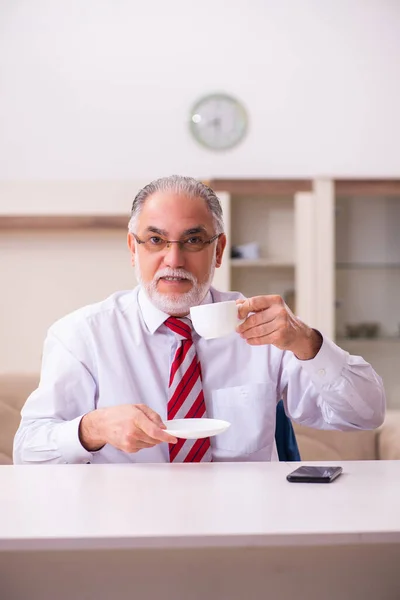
{"x": 113, "y": 372}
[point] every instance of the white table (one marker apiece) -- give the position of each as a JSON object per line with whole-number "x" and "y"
{"x": 222, "y": 530}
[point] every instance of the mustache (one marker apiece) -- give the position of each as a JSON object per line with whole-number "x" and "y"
{"x": 167, "y": 272}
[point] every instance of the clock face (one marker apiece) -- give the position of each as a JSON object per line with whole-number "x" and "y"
{"x": 218, "y": 121}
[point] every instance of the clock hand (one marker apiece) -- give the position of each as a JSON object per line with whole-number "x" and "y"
{"x": 215, "y": 122}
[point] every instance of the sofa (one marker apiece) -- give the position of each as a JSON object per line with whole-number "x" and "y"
{"x": 382, "y": 443}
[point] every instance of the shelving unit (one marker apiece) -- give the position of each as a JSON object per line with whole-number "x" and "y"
{"x": 367, "y": 270}
{"x": 367, "y": 275}
{"x": 337, "y": 245}
{"x": 265, "y": 216}
{"x": 57, "y": 222}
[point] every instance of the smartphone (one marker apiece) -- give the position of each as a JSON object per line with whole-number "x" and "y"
{"x": 314, "y": 474}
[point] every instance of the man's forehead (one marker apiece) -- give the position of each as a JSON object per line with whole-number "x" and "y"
{"x": 171, "y": 210}
{"x": 179, "y": 199}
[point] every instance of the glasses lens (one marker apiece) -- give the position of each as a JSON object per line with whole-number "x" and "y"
{"x": 194, "y": 244}
{"x": 155, "y": 243}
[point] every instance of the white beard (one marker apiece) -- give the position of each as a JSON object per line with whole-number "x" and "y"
{"x": 175, "y": 304}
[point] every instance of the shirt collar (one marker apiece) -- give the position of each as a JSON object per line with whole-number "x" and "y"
{"x": 153, "y": 316}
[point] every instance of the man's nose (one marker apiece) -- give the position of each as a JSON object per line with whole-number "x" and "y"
{"x": 174, "y": 256}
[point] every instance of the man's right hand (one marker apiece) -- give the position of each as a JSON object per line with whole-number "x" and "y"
{"x": 127, "y": 427}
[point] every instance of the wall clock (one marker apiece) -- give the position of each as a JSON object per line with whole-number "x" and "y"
{"x": 218, "y": 121}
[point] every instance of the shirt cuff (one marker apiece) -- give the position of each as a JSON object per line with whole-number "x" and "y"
{"x": 68, "y": 442}
{"x": 326, "y": 367}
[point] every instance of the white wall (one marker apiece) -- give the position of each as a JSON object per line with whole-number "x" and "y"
{"x": 45, "y": 276}
{"x": 101, "y": 89}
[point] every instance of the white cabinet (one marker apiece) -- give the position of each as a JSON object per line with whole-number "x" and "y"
{"x": 367, "y": 280}
{"x": 368, "y": 267}
{"x": 269, "y": 224}
{"x": 337, "y": 247}
{"x": 285, "y": 227}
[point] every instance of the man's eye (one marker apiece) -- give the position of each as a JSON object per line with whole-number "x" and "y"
{"x": 194, "y": 240}
{"x": 156, "y": 240}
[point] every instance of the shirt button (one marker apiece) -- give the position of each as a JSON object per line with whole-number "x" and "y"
{"x": 322, "y": 372}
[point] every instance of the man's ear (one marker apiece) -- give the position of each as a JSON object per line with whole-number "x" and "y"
{"x": 220, "y": 250}
{"x": 132, "y": 248}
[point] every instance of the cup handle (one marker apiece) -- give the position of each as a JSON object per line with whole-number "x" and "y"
{"x": 240, "y": 321}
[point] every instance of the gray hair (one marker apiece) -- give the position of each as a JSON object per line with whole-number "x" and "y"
{"x": 181, "y": 185}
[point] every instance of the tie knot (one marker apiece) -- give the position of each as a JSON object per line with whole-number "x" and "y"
{"x": 180, "y": 326}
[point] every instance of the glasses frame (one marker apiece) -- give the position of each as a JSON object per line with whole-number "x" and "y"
{"x": 179, "y": 242}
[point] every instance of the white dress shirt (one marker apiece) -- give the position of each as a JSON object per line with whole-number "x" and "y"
{"x": 119, "y": 351}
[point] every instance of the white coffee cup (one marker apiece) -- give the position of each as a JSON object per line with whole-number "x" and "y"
{"x": 216, "y": 319}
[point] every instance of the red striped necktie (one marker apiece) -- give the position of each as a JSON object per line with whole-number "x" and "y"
{"x": 185, "y": 397}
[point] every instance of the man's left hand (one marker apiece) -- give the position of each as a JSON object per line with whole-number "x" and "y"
{"x": 274, "y": 323}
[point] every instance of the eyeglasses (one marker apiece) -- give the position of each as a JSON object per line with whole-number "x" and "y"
{"x": 191, "y": 243}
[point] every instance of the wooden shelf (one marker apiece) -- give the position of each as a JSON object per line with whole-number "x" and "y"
{"x": 372, "y": 340}
{"x": 261, "y": 187}
{"x": 9, "y": 222}
{"x": 367, "y": 187}
{"x": 367, "y": 266}
{"x": 260, "y": 262}
{"x": 288, "y": 187}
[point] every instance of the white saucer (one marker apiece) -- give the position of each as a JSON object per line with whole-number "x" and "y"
{"x": 193, "y": 429}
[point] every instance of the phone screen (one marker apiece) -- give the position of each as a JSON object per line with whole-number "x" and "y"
{"x": 314, "y": 474}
